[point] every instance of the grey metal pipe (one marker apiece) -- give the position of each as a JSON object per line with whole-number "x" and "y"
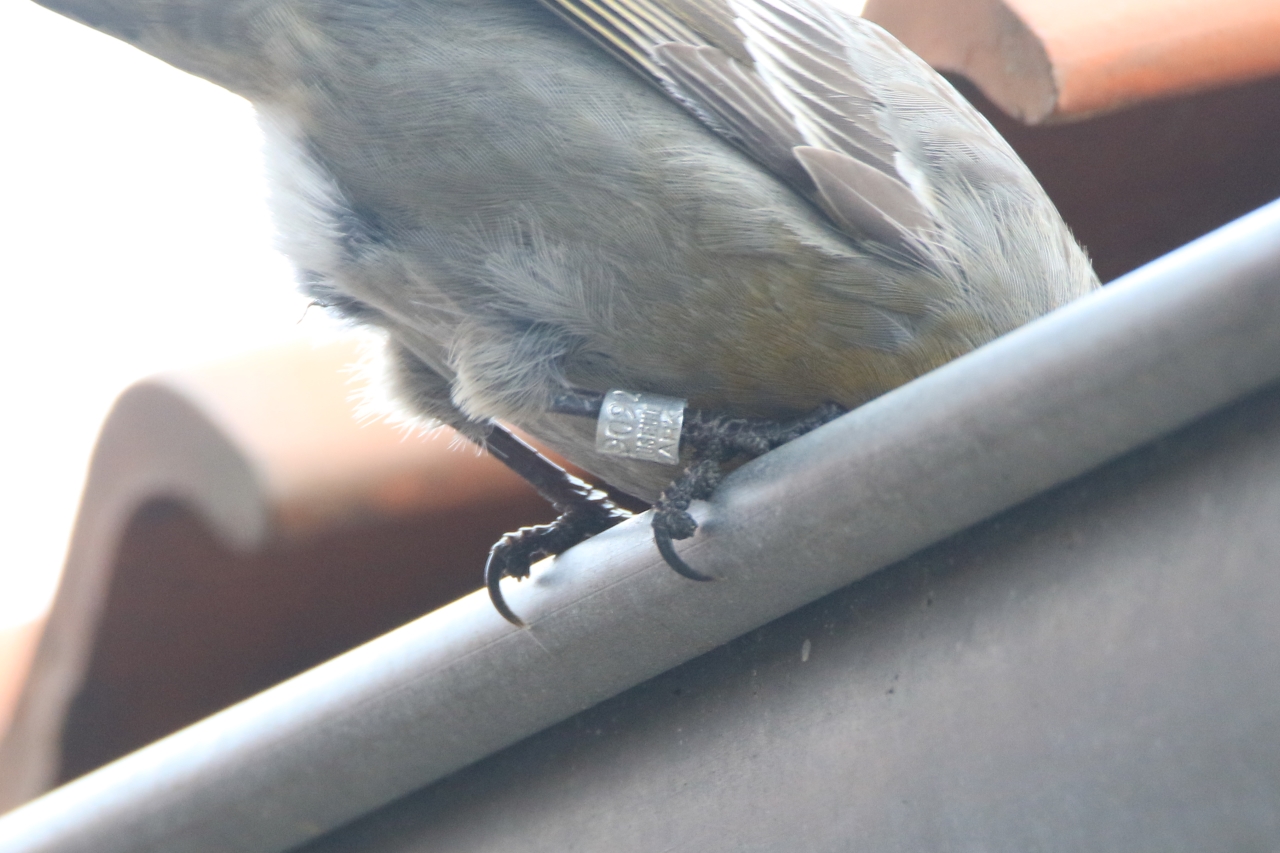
{"x": 1166, "y": 344}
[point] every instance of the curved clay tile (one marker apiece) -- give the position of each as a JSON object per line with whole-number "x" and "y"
{"x": 1048, "y": 60}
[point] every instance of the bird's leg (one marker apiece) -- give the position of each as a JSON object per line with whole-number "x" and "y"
{"x": 584, "y": 512}
{"x": 715, "y": 440}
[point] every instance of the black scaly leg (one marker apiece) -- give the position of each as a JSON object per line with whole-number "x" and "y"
{"x": 584, "y": 512}
{"x": 671, "y": 518}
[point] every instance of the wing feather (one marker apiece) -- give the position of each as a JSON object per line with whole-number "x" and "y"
{"x": 863, "y": 200}
{"x": 739, "y": 100}
{"x": 779, "y": 79}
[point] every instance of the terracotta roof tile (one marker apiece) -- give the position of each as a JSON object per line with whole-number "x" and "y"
{"x": 1049, "y": 60}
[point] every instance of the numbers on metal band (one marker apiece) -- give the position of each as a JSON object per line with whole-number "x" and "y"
{"x": 640, "y": 426}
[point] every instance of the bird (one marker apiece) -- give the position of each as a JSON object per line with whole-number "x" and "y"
{"x": 722, "y": 222}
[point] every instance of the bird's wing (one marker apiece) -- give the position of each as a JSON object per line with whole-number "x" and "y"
{"x": 824, "y": 99}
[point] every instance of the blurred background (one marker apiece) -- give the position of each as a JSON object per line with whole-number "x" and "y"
{"x": 136, "y": 238}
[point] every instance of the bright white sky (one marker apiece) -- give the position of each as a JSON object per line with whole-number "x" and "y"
{"x": 135, "y": 238}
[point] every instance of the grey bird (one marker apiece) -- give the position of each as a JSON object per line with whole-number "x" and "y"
{"x": 770, "y": 209}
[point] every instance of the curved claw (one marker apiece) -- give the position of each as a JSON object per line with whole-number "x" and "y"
{"x": 662, "y": 538}
{"x": 493, "y": 576}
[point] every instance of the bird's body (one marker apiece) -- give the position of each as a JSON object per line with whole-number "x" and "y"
{"x": 524, "y": 212}
{"x": 515, "y": 260}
